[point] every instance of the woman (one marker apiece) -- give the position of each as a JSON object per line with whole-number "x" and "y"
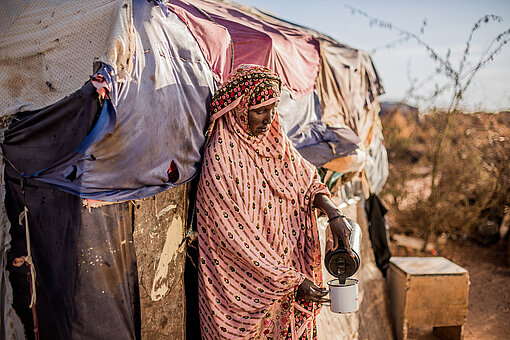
{"x": 260, "y": 262}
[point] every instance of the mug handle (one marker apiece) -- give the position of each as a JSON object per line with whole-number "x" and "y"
{"x": 327, "y": 304}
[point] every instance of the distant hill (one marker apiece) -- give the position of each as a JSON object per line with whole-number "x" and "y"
{"x": 390, "y": 108}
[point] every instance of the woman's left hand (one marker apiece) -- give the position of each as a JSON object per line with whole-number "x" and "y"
{"x": 308, "y": 291}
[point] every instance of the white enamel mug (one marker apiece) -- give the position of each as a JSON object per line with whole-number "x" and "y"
{"x": 343, "y": 296}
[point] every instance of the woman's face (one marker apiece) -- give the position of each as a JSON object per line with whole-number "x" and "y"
{"x": 260, "y": 119}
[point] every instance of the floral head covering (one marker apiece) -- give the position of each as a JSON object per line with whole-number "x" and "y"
{"x": 249, "y": 87}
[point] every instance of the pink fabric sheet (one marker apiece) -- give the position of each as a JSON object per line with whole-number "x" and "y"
{"x": 293, "y": 54}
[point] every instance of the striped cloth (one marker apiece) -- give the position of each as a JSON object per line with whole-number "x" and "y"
{"x": 258, "y": 237}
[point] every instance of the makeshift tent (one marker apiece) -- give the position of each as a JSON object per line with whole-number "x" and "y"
{"x": 106, "y": 102}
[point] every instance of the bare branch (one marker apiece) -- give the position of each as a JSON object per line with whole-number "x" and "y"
{"x": 485, "y": 19}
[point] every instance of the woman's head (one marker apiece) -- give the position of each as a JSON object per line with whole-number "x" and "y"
{"x": 251, "y": 92}
{"x": 262, "y": 106}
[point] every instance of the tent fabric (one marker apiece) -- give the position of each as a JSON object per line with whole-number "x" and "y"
{"x": 376, "y": 211}
{"x": 170, "y": 82}
{"x": 347, "y": 83}
{"x": 291, "y": 53}
{"x": 41, "y": 39}
{"x": 85, "y": 263}
{"x": 106, "y": 298}
{"x": 319, "y": 144}
{"x": 213, "y": 39}
{"x": 28, "y": 144}
{"x": 376, "y": 166}
{"x": 170, "y": 86}
{"x": 161, "y": 63}
{"x": 297, "y": 114}
{"x": 323, "y": 144}
{"x": 348, "y": 86}
{"x": 11, "y": 326}
{"x": 77, "y": 252}
{"x": 34, "y": 141}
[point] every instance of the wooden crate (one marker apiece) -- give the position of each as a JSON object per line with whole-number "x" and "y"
{"x": 428, "y": 291}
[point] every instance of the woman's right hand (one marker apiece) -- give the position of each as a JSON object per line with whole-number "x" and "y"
{"x": 337, "y": 227}
{"x": 338, "y": 230}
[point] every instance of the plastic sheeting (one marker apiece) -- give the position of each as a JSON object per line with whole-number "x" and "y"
{"x": 376, "y": 167}
{"x": 318, "y": 143}
{"x": 34, "y": 141}
{"x": 48, "y": 48}
{"x": 290, "y": 52}
{"x": 153, "y": 123}
{"x": 85, "y": 263}
{"x": 129, "y": 156}
{"x": 161, "y": 111}
{"x": 347, "y": 88}
{"x": 10, "y": 323}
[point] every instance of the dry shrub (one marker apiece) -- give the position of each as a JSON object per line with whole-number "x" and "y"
{"x": 473, "y": 182}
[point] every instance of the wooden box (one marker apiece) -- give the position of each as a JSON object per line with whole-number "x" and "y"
{"x": 428, "y": 291}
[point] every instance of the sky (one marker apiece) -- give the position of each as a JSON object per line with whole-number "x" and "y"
{"x": 448, "y": 25}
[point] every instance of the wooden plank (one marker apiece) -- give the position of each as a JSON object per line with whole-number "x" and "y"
{"x": 159, "y": 227}
{"x": 439, "y": 300}
{"x": 427, "y": 265}
{"x": 398, "y": 285}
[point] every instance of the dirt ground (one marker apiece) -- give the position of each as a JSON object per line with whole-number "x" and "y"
{"x": 489, "y": 292}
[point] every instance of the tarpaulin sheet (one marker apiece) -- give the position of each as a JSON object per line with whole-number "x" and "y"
{"x": 347, "y": 84}
{"x": 10, "y": 324}
{"x": 222, "y": 28}
{"x": 153, "y": 123}
{"x": 290, "y": 52}
{"x": 319, "y": 144}
{"x": 155, "y": 119}
{"x": 347, "y": 88}
{"x": 376, "y": 167}
{"x": 34, "y": 141}
{"x": 48, "y": 48}
{"x": 155, "y": 116}
{"x": 85, "y": 263}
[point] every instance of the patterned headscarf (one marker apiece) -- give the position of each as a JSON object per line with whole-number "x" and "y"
{"x": 249, "y": 87}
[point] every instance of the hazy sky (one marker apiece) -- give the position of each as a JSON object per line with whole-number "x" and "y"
{"x": 449, "y": 23}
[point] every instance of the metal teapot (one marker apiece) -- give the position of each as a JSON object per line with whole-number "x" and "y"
{"x": 338, "y": 262}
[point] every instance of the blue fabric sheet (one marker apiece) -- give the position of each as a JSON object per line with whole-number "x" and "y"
{"x": 152, "y": 124}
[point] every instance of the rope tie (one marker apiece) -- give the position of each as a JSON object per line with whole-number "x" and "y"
{"x": 29, "y": 261}
{"x": 28, "y": 258}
